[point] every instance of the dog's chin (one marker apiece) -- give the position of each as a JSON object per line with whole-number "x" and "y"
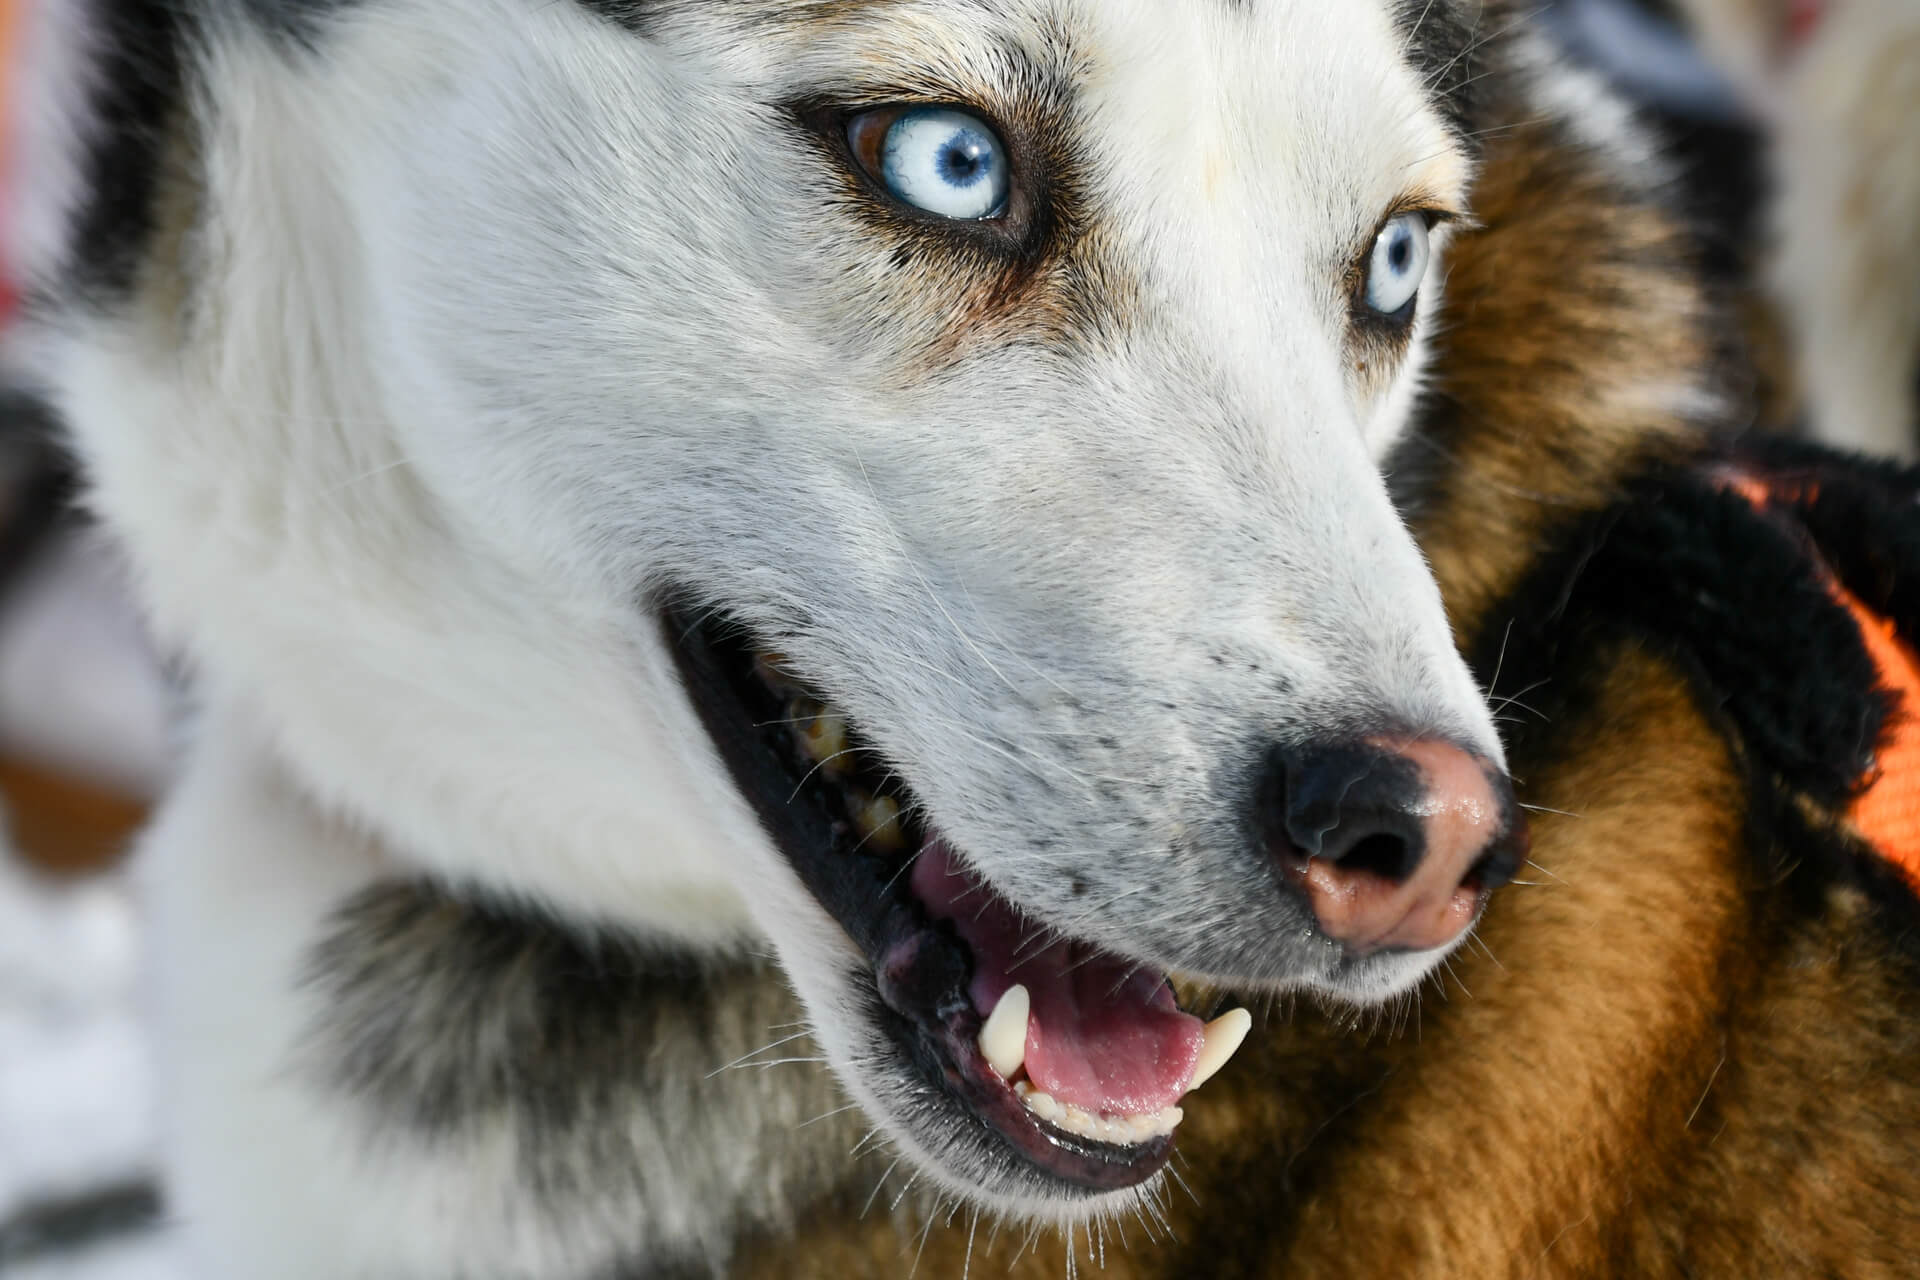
{"x": 1367, "y": 982}
{"x": 1031, "y": 1072}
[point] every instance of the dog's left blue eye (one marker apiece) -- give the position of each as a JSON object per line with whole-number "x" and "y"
{"x": 945, "y": 162}
{"x": 1398, "y": 265}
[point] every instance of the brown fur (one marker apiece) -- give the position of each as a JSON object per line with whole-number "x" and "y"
{"x": 1654, "y": 1064}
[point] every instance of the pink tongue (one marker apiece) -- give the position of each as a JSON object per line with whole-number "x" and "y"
{"x": 1104, "y": 1035}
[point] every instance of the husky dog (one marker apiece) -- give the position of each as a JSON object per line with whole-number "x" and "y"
{"x": 1683, "y": 1044}
{"x": 1838, "y": 84}
{"x": 891, "y": 486}
{"x": 659, "y": 495}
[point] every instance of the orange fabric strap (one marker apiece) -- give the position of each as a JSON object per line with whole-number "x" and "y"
{"x": 1887, "y": 812}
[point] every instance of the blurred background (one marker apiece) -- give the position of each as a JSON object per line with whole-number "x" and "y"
{"x": 1789, "y": 126}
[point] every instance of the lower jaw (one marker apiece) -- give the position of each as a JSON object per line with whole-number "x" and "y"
{"x": 921, "y": 968}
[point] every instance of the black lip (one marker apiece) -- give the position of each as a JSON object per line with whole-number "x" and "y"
{"x": 920, "y": 968}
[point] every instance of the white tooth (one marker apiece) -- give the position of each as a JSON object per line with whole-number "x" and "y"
{"x": 1120, "y": 1130}
{"x": 1224, "y": 1035}
{"x": 1003, "y": 1041}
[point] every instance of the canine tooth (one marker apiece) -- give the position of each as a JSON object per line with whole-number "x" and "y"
{"x": 1224, "y": 1035}
{"x": 1003, "y": 1040}
{"x": 878, "y": 818}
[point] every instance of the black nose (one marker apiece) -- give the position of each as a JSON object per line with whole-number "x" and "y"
{"x": 1351, "y": 804}
{"x": 1393, "y": 842}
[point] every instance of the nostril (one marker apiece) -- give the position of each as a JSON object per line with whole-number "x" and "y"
{"x": 1354, "y": 805}
{"x": 1501, "y": 863}
{"x": 1382, "y": 854}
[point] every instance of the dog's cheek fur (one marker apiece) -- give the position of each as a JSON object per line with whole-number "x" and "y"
{"x": 234, "y": 418}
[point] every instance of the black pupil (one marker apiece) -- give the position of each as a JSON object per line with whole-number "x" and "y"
{"x": 1400, "y": 252}
{"x": 964, "y": 158}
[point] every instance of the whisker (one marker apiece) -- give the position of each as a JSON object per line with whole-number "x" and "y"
{"x": 743, "y": 1059}
{"x": 871, "y": 1195}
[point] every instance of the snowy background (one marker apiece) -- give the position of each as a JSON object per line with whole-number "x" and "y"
{"x": 79, "y": 695}
{"x": 77, "y": 1114}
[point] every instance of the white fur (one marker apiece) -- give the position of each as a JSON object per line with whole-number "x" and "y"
{"x": 1846, "y": 167}
{"x": 1847, "y": 161}
{"x": 499, "y": 317}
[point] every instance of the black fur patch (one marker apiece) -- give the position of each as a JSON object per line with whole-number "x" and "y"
{"x": 1700, "y": 575}
{"x": 1737, "y": 599}
{"x": 1863, "y": 513}
{"x": 298, "y": 22}
{"x": 625, "y": 1077}
{"x": 1441, "y": 42}
{"x": 438, "y": 1010}
{"x": 141, "y": 55}
{"x": 639, "y": 16}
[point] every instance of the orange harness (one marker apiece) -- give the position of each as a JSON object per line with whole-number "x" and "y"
{"x": 1887, "y": 810}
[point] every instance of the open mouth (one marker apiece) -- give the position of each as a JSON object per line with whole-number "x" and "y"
{"x": 1074, "y": 1058}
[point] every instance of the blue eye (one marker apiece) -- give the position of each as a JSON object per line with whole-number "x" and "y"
{"x": 943, "y": 161}
{"x": 1398, "y": 265}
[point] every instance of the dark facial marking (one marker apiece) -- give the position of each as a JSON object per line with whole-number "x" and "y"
{"x": 138, "y": 79}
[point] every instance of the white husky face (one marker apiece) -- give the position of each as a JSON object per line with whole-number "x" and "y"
{"x": 1067, "y": 501}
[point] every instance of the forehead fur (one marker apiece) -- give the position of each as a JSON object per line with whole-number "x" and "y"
{"x": 1386, "y": 69}
{"x": 1242, "y": 155}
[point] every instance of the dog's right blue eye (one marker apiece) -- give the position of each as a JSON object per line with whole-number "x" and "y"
{"x": 1398, "y": 264}
{"x": 936, "y": 159}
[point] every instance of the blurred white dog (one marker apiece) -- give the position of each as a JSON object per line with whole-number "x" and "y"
{"x": 1838, "y": 84}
